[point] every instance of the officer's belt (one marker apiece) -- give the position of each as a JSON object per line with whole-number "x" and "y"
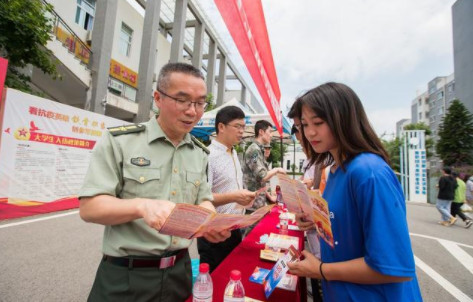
{"x": 167, "y": 260}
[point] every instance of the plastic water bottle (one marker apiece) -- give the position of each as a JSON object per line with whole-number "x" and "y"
{"x": 203, "y": 288}
{"x": 234, "y": 291}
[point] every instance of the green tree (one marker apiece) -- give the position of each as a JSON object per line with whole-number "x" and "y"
{"x": 393, "y": 149}
{"x": 429, "y": 142}
{"x": 209, "y": 100}
{"x": 456, "y": 136}
{"x": 275, "y": 156}
{"x": 25, "y": 28}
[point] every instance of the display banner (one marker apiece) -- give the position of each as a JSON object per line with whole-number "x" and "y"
{"x": 45, "y": 150}
{"x": 246, "y": 24}
{"x": 3, "y": 73}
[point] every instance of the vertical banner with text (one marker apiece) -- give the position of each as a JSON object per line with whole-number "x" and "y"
{"x": 247, "y": 26}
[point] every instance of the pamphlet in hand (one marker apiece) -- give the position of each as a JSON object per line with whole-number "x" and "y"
{"x": 300, "y": 200}
{"x": 279, "y": 270}
{"x": 192, "y": 221}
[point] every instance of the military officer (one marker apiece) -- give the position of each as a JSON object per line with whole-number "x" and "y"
{"x": 136, "y": 175}
{"x": 255, "y": 171}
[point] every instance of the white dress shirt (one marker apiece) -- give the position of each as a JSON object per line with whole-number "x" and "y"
{"x": 225, "y": 175}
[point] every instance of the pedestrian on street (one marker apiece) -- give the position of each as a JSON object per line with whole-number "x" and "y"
{"x": 136, "y": 175}
{"x": 447, "y": 185}
{"x": 459, "y": 200}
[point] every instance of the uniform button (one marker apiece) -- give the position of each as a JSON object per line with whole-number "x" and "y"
{"x": 174, "y": 241}
{"x": 142, "y": 179}
{"x": 197, "y": 182}
{"x": 173, "y": 193}
{"x": 175, "y": 170}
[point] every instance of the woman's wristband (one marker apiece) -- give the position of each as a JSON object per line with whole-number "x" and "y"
{"x": 321, "y": 271}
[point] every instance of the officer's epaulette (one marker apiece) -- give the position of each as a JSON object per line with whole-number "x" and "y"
{"x": 126, "y": 129}
{"x": 199, "y": 144}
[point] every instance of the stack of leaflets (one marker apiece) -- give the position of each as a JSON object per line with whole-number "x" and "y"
{"x": 300, "y": 200}
{"x": 191, "y": 221}
{"x": 288, "y": 281}
{"x": 279, "y": 270}
{"x": 276, "y": 245}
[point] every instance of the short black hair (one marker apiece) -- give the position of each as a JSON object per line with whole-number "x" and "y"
{"x": 170, "y": 68}
{"x": 447, "y": 170}
{"x": 296, "y": 110}
{"x": 262, "y": 125}
{"x": 455, "y": 174}
{"x": 228, "y": 114}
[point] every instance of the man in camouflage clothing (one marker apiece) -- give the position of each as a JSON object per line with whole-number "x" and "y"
{"x": 255, "y": 171}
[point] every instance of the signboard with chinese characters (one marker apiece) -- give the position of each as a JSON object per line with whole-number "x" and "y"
{"x": 123, "y": 73}
{"x": 45, "y": 148}
{"x": 418, "y": 175}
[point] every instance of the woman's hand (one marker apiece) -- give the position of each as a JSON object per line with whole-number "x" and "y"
{"x": 303, "y": 222}
{"x": 309, "y": 267}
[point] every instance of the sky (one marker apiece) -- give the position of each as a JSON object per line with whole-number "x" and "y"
{"x": 386, "y": 51}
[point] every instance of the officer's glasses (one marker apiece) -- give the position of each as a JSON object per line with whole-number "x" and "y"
{"x": 186, "y": 104}
{"x": 239, "y": 127}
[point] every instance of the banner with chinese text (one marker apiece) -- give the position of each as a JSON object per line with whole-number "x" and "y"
{"x": 45, "y": 149}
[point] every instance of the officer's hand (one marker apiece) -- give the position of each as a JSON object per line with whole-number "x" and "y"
{"x": 244, "y": 197}
{"x": 303, "y": 222}
{"x": 215, "y": 237}
{"x": 309, "y": 267}
{"x": 155, "y": 212}
{"x": 308, "y": 182}
{"x": 275, "y": 171}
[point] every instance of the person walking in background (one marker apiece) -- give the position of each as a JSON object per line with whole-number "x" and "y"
{"x": 447, "y": 185}
{"x": 226, "y": 180}
{"x": 458, "y": 200}
{"x": 372, "y": 258}
{"x": 255, "y": 171}
{"x": 469, "y": 190}
{"x": 136, "y": 175}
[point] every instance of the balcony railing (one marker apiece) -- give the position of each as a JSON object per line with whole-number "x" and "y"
{"x": 70, "y": 40}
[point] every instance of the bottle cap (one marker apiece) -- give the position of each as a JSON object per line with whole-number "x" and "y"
{"x": 204, "y": 268}
{"x": 235, "y": 275}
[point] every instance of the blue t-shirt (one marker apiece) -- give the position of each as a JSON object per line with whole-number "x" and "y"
{"x": 368, "y": 217}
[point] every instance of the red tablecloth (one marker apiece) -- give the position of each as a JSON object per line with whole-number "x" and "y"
{"x": 245, "y": 257}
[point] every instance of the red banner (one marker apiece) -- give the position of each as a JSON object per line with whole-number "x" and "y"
{"x": 245, "y": 22}
{"x": 3, "y": 74}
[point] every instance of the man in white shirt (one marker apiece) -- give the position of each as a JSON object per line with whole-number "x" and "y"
{"x": 226, "y": 180}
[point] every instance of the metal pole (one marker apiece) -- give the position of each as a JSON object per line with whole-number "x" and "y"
{"x": 282, "y": 153}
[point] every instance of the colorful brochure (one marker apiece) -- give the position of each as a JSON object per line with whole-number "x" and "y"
{"x": 279, "y": 270}
{"x": 192, "y": 221}
{"x": 300, "y": 200}
{"x": 288, "y": 282}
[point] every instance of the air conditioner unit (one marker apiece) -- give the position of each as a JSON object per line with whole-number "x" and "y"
{"x": 88, "y": 37}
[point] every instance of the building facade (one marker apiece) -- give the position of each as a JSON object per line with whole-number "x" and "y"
{"x": 462, "y": 23}
{"x": 110, "y": 52}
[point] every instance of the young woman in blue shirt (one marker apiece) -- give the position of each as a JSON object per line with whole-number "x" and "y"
{"x": 372, "y": 258}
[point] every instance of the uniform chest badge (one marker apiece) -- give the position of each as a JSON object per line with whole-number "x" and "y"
{"x": 140, "y": 161}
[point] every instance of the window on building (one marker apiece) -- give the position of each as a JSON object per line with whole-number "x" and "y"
{"x": 440, "y": 95}
{"x": 288, "y": 165}
{"x": 85, "y": 13}
{"x": 420, "y": 115}
{"x": 126, "y": 34}
{"x": 420, "y": 102}
{"x": 441, "y": 110}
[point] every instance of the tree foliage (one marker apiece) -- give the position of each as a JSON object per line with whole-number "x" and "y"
{"x": 25, "y": 28}
{"x": 209, "y": 99}
{"x": 276, "y": 153}
{"x": 429, "y": 142}
{"x": 393, "y": 149}
{"x": 455, "y": 143}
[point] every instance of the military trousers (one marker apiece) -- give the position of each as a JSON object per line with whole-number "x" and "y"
{"x": 120, "y": 283}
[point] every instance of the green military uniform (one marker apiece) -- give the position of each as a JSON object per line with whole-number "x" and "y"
{"x": 254, "y": 170}
{"x": 140, "y": 161}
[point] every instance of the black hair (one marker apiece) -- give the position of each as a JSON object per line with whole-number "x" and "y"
{"x": 170, "y": 68}
{"x": 294, "y": 130}
{"x": 339, "y": 106}
{"x": 261, "y": 125}
{"x": 228, "y": 114}
{"x": 447, "y": 170}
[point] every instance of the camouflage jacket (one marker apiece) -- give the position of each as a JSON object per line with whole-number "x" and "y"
{"x": 254, "y": 170}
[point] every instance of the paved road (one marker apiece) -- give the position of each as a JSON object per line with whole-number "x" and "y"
{"x": 54, "y": 257}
